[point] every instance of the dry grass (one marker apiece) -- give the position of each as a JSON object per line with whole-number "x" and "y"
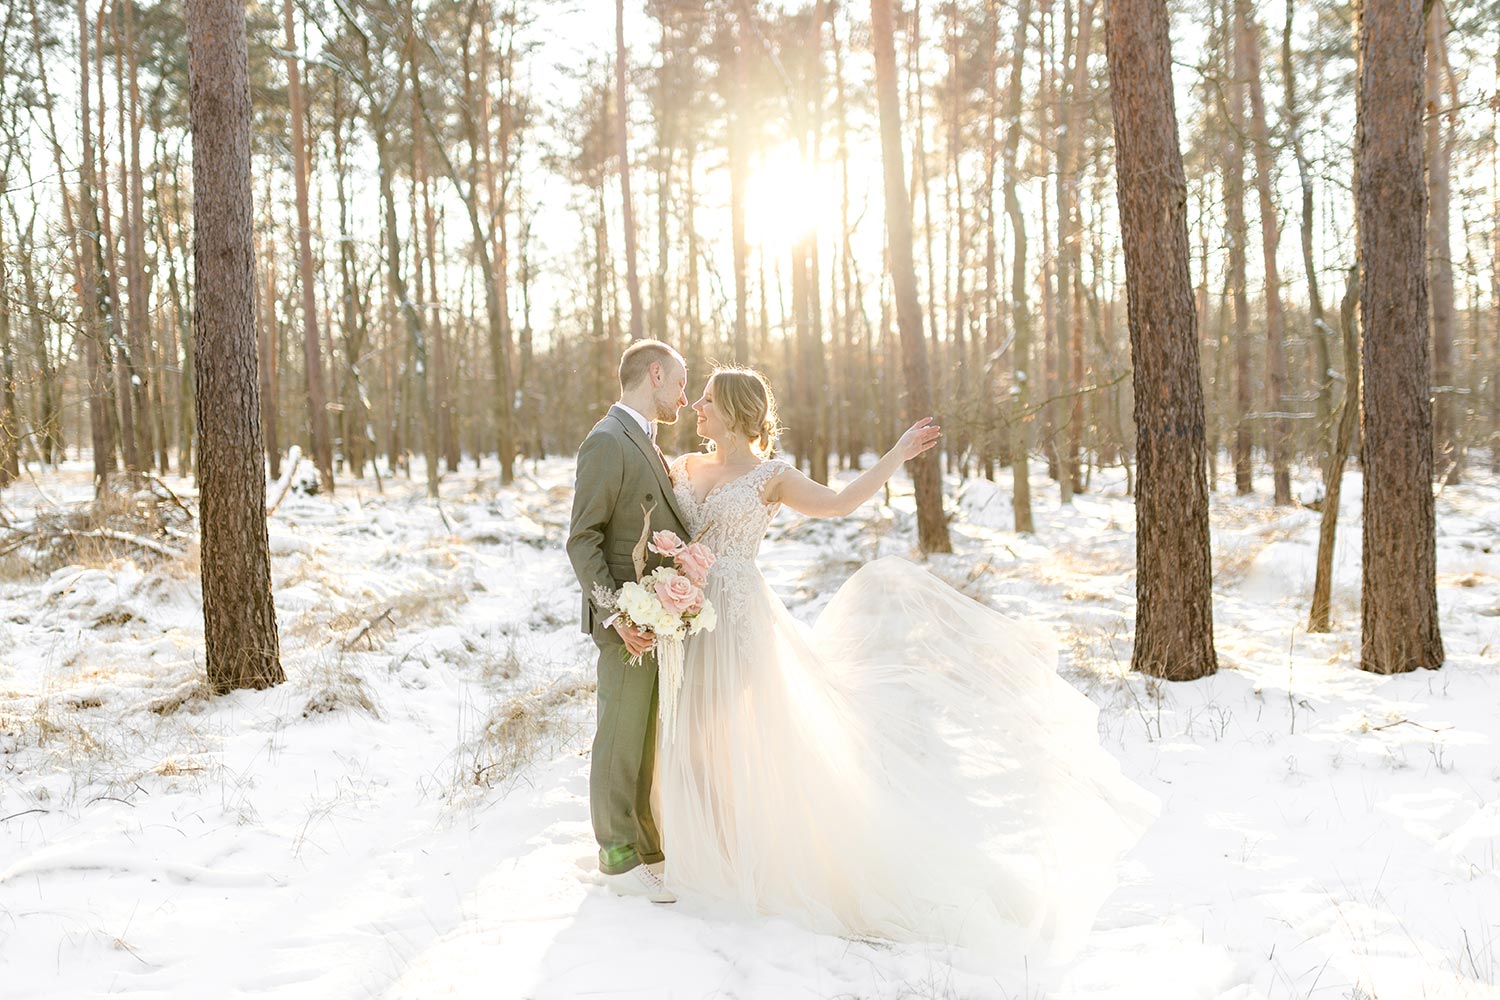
{"x": 149, "y": 523}
{"x": 519, "y": 730}
{"x": 372, "y": 624}
{"x": 330, "y": 684}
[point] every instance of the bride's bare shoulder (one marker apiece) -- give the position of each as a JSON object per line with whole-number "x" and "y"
{"x": 687, "y": 462}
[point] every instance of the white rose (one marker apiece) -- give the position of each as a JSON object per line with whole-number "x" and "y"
{"x": 637, "y": 603}
{"x": 704, "y": 620}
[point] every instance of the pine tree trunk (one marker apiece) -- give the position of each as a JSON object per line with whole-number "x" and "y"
{"x": 1069, "y": 238}
{"x": 95, "y": 306}
{"x": 267, "y": 368}
{"x": 1248, "y": 34}
{"x": 1399, "y": 613}
{"x": 396, "y": 283}
{"x": 622, "y": 149}
{"x": 312, "y": 354}
{"x": 109, "y": 275}
{"x": 1333, "y": 479}
{"x": 10, "y": 424}
{"x": 1174, "y": 613}
{"x": 1021, "y": 421}
{"x": 1238, "y": 234}
{"x": 1440, "y": 254}
{"x": 932, "y": 524}
{"x": 239, "y": 619}
{"x": 973, "y": 410}
{"x": 739, "y": 170}
{"x": 1318, "y": 325}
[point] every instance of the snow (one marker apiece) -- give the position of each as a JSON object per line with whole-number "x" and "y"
{"x": 407, "y": 816}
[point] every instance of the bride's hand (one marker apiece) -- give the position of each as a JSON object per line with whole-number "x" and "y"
{"x": 919, "y": 437}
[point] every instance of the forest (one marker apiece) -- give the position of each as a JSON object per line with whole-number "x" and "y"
{"x": 306, "y": 306}
{"x": 463, "y": 211}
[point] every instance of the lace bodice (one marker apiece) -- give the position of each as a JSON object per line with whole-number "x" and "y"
{"x": 735, "y": 516}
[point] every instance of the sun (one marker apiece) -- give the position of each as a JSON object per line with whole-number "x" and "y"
{"x": 786, "y": 199}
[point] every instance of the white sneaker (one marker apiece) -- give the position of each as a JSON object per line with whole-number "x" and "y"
{"x": 640, "y": 881}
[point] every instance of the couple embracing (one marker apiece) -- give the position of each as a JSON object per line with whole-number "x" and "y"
{"x": 910, "y": 768}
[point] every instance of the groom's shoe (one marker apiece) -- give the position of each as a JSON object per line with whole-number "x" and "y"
{"x": 641, "y": 881}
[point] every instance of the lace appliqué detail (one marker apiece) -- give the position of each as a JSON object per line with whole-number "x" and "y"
{"x": 732, "y": 519}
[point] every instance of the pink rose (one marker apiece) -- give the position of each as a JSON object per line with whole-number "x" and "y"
{"x": 694, "y": 561}
{"x": 679, "y": 595}
{"x": 665, "y": 543}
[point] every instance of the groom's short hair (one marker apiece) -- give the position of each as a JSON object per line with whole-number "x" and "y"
{"x": 640, "y": 356}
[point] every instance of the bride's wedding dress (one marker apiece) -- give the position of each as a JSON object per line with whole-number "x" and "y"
{"x": 911, "y": 768}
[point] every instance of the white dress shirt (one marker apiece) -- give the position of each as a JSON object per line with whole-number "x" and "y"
{"x": 646, "y": 425}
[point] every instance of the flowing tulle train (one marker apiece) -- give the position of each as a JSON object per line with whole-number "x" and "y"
{"x": 910, "y": 768}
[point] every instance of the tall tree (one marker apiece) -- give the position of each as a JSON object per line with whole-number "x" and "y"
{"x": 1021, "y": 420}
{"x": 1247, "y": 33}
{"x": 1174, "y": 635}
{"x": 1440, "y": 249}
{"x": 932, "y": 524}
{"x": 10, "y": 429}
{"x": 96, "y": 302}
{"x": 1318, "y": 326}
{"x": 1238, "y": 235}
{"x": 1333, "y": 476}
{"x": 239, "y": 619}
{"x": 1399, "y": 615}
{"x": 622, "y": 142}
{"x": 738, "y": 40}
{"x": 312, "y": 353}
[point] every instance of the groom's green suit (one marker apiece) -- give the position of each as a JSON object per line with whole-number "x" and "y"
{"x": 620, "y": 476}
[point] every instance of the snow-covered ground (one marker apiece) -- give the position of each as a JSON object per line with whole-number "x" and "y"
{"x": 407, "y": 816}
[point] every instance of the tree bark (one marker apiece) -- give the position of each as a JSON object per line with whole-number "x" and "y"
{"x": 1021, "y": 420}
{"x": 1399, "y": 613}
{"x": 932, "y": 524}
{"x": 1319, "y": 326}
{"x": 622, "y": 142}
{"x": 143, "y": 379}
{"x": 95, "y": 311}
{"x": 1248, "y": 34}
{"x": 1069, "y": 238}
{"x": 1238, "y": 234}
{"x": 1333, "y": 479}
{"x": 1440, "y": 252}
{"x": 10, "y": 425}
{"x": 312, "y": 353}
{"x": 1174, "y": 614}
{"x": 739, "y": 170}
{"x": 109, "y": 272}
{"x": 239, "y": 619}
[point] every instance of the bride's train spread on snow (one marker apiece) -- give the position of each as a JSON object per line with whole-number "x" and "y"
{"x": 910, "y": 768}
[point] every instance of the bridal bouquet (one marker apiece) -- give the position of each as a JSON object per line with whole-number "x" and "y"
{"x": 668, "y": 602}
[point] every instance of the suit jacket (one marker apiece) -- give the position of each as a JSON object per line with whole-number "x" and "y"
{"x": 620, "y": 475}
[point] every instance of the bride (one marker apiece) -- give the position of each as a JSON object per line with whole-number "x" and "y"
{"x": 911, "y": 768}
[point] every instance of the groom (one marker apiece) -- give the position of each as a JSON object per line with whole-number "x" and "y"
{"x": 621, "y": 476}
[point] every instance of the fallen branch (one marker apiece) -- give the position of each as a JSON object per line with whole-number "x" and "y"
{"x": 170, "y": 495}
{"x": 23, "y": 812}
{"x": 1408, "y": 722}
{"x": 364, "y": 629}
{"x": 136, "y": 540}
{"x": 294, "y": 459}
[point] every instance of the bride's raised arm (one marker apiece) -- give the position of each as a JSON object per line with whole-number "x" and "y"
{"x": 795, "y": 490}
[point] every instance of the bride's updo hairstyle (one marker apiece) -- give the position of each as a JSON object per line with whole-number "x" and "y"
{"x": 744, "y": 400}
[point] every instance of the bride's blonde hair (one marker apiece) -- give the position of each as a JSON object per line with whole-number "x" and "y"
{"x": 744, "y": 399}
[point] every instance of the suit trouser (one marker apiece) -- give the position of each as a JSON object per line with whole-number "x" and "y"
{"x": 623, "y": 762}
